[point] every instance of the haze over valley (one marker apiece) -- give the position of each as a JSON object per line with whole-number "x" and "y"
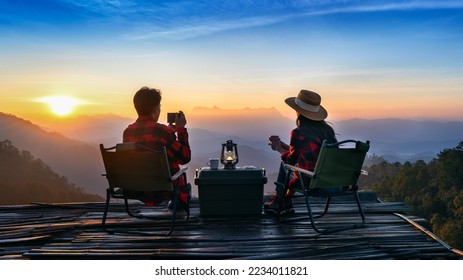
{"x": 70, "y": 145}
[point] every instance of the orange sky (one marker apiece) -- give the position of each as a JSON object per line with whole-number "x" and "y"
{"x": 341, "y": 102}
{"x": 367, "y": 59}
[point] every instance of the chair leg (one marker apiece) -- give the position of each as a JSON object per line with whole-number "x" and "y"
{"x": 172, "y": 226}
{"x": 187, "y": 209}
{"x": 106, "y": 207}
{"x": 327, "y": 205}
{"x": 130, "y": 213}
{"x": 176, "y": 197}
{"x": 359, "y": 205}
{"x": 311, "y": 216}
{"x": 187, "y": 206}
{"x": 174, "y": 215}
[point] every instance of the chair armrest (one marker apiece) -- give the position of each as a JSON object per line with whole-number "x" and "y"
{"x": 179, "y": 173}
{"x": 297, "y": 169}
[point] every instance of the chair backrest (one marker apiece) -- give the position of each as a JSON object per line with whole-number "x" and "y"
{"x": 130, "y": 167}
{"x": 337, "y": 166}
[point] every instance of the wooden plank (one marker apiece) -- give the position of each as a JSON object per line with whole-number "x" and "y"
{"x": 74, "y": 232}
{"x": 22, "y": 239}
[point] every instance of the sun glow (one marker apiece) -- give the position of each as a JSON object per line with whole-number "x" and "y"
{"x": 60, "y": 105}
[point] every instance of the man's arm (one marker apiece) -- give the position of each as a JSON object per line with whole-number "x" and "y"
{"x": 180, "y": 146}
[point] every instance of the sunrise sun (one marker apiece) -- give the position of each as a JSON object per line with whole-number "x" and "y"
{"x": 60, "y": 105}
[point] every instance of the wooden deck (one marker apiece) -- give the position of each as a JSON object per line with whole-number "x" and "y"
{"x": 73, "y": 231}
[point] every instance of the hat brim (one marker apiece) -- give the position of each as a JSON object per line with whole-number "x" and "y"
{"x": 320, "y": 115}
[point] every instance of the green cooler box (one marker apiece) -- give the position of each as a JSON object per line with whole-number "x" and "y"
{"x": 230, "y": 192}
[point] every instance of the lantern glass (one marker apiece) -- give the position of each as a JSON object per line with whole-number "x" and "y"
{"x": 229, "y": 156}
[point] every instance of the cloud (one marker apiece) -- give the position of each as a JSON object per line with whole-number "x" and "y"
{"x": 182, "y": 20}
{"x": 142, "y": 20}
{"x": 204, "y": 28}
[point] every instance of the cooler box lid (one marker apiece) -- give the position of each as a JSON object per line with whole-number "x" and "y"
{"x": 240, "y": 175}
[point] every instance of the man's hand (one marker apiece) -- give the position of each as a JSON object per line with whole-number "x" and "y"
{"x": 180, "y": 121}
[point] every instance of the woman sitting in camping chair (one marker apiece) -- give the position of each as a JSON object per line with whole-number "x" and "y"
{"x": 305, "y": 143}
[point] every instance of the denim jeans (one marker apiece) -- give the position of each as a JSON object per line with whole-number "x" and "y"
{"x": 280, "y": 183}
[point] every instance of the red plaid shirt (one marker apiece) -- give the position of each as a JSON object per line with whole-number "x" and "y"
{"x": 149, "y": 133}
{"x": 303, "y": 152}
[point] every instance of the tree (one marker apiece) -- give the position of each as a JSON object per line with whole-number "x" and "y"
{"x": 24, "y": 179}
{"x": 433, "y": 190}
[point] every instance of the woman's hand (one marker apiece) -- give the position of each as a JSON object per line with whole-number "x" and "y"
{"x": 276, "y": 144}
{"x": 284, "y": 146}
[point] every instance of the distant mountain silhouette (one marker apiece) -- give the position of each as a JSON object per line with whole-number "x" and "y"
{"x": 24, "y": 179}
{"x": 80, "y": 162}
{"x": 251, "y": 124}
{"x": 96, "y": 129}
{"x": 394, "y": 139}
{"x": 401, "y": 139}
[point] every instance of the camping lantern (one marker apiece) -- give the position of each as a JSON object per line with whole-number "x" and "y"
{"x": 229, "y": 157}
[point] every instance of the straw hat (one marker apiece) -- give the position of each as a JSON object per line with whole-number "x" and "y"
{"x": 307, "y": 103}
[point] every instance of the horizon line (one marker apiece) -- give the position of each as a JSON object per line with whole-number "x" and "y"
{"x": 50, "y": 117}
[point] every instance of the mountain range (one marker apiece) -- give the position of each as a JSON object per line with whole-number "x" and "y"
{"x": 401, "y": 139}
{"x": 70, "y": 146}
{"x": 24, "y": 179}
{"x": 77, "y": 160}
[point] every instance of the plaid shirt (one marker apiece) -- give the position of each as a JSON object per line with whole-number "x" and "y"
{"x": 147, "y": 132}
{"x": 303, "y": 153}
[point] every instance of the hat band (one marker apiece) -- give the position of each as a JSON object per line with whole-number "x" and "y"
{"x": 307, "y": 107}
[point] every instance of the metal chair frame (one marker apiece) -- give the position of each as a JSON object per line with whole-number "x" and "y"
{"x": 132, "y": 170}
{"x": 336, "y": 173}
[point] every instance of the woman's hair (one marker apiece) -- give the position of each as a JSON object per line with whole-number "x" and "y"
{"x": 146, "y": 99}
{"x": 316, "y": 129}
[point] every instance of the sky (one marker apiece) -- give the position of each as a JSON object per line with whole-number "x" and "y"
{"x": 367, "y": 59}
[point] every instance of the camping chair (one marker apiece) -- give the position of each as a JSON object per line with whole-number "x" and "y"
{"x": 135, "y": 171}
{"x": 336, "y": 174}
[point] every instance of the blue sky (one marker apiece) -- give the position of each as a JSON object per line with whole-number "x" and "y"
{"x": 366, "y": 58}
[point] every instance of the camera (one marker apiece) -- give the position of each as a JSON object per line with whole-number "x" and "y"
{"x": 172, "y": 116}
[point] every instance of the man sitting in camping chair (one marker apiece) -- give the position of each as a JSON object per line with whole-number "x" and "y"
{"x": 148, "y": 132}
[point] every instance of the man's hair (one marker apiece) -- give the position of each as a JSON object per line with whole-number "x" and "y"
{"x": 145, "y": 100}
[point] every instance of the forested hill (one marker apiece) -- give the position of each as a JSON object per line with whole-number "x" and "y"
{"x": 79, "y": 161}
{"x": 434, "y": 190}
{"x": 24, "y": 179}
